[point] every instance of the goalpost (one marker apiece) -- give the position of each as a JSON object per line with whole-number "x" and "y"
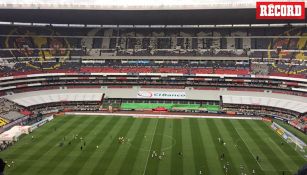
{"x": 290, "y": 138}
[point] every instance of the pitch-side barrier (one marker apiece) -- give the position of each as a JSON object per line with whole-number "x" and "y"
{"x": 289, "y": 137}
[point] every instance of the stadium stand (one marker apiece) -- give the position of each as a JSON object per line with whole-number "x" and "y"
{"x": 197, "y": 65}
{"x": 251, "y": 60}
{"x": 3, "y": 122}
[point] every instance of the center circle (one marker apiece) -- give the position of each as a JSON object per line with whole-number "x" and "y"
{"x": 149, "y": 138}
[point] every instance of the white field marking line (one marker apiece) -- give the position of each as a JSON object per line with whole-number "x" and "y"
{"x": 150, "y": 149}
{"x": 286, "y": 143}
{"x": 279, "y": 149}
{"x": 162, "y": 115}
{"x": 254, "y": 129}
{"x": 290, "y": 144}
{"x": 162, "y": 149}
{"x": 249, "y": 150}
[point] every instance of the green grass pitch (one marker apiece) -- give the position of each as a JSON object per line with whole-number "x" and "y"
{"x": 197, "y": 139}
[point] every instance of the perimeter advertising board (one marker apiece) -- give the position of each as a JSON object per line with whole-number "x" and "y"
{"x": 161, "y": 95}
{"x": 288, "y": 135}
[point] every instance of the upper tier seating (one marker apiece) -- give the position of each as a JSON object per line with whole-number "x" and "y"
{"x": 184, "y": 67}
{"x": 217, "y": 67}
{"x": 46, "y": 42}
{"x": 30, "y": 50}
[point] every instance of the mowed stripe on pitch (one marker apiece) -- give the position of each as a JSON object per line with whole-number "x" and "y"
{"x": 290, "y": 157}
{"x": 188, "y": 161}
{"x": 120, "y": 153}
{"x": 73, "y": 150}
{"x": 168, "y": 143}
{"x": 215, "y": 165}
{"x": 176, "y": 161}
{"x": 254, "y": 149}
{"x": 86, "y": 159}
{"x": 141, "y": 162}
{"x": 265, "y": 148}
{"x": 231, "y": 169}
{"x": 252, "y": 137}
{"x": 105, "y": 159}
{"x": 248, "y": 161}
{"x": 26, "y": 145}
{"x": 20, "y": 152}
{"x": 104, "y": 137}
{"x": 153, "y": 163}
{"x": 279, "y": 157}
{"x": 56, "y": 155}
{"x": 200, "y": 161}
{"x": 134, "y": 150}
{"x": 80, "y": 159}
{"x": 231, "y": 146}
{"x": 46, "y": 146}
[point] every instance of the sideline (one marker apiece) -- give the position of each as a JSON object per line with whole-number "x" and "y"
{"x": 161, "y": 115}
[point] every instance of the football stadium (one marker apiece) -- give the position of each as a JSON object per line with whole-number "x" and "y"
{"x": 197, "y": 87}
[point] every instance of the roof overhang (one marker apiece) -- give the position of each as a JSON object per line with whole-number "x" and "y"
{"x": 138, "y": 17}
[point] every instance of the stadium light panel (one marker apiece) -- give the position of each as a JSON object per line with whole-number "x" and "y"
{"x": 206, "y": 26}
{"x": 277, "y": 25}
{"x": 141, "y": 26}
{"x": 259, "y": 25}
{"x": 109, "y": 26}
{"x": 151, "y": 26}
{"x": 190, "y": 26}
{"x": 93, "y": 26}
{"x": 5, "y": 23}
{"x": 125, "y": 26}
{"x": 173, "y": 26}
{"x": 41, "y": 24}
{"x": 157, "y": 26}
{"x": 241, "y": 25}
{"x": 76, "y": 25}
{"x": 60, "y": 25}
{"x": 298, "y": 24}
{"x": 22, "y": 23}
{"x": 224, "y": 25}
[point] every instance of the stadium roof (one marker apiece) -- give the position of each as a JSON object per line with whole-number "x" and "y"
{"x": 132, "y": 12}
{"x": 127, "y": 4}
